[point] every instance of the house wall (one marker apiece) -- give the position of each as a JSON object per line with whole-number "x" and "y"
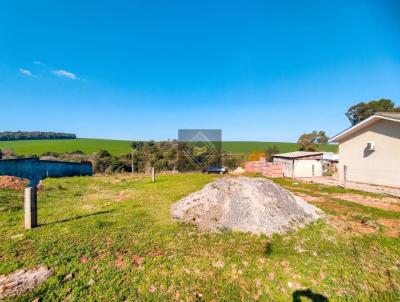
{"x": 302, "y": 167}
{"x": 380, "y": 167}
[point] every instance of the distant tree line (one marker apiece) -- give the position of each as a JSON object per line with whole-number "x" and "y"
{"x": 33, "y": 135}
{"x": 163, "y": 156}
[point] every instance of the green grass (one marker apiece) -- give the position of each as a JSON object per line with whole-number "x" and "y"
{"x": 116, "y": 147}
{"x": 136, "y": 252}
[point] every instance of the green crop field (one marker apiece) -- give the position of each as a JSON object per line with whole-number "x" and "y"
{"x": 116, "y": 147}
{"x": 248, "y": 147}
{"x": 112, "y": 238}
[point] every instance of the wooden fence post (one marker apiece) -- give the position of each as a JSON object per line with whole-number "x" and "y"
{"x": 30, "y": 207}
{"x": 153, "y": 174}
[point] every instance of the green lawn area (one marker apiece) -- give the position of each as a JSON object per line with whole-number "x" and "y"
{"x": 115, "y": 234}
{"x": 117, "y": 147}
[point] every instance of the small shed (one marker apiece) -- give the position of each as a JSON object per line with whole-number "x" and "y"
{"x": 300, "y": 163}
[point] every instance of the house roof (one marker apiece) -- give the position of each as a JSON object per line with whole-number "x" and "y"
{"x": 394, "y": 115}
{"x": 390, "y": 116}
{"x": 298, "y": 154}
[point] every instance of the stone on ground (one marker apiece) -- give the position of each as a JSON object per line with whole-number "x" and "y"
{"x": 255, "y": 205}
{"x": 22, "y": 280}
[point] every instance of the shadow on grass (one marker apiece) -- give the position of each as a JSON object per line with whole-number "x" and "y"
{"x": 78, "y": 217}
{"x": 308, "y": 293}
{"x": 268, "y": 248}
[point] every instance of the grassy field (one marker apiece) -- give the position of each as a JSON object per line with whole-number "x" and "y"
{"x": 116, "y": 147}
{"x": 115, "y": 235}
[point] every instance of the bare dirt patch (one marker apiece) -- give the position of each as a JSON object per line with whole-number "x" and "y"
{"x": 255, "y": 205}
{"x": 388, "y": 204}
{"x": 22, "y": 280}
{"x": 342, "y": 224}
{"x": 13, "y": 183}
{"x": 123, "y": 195}
{"x": 391, "y": 227}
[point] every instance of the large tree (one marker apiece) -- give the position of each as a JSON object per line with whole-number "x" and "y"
{"x": 361, "y": 111}
{"x": 313, "y": 141}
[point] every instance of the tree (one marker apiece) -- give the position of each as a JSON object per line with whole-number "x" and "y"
{"x": 271, "y": 151}
{"x": 256, "y": 156}
{"x": 362, "y": 111}
{"x": 312, "y": 141}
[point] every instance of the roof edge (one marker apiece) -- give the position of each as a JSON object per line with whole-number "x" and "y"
{"x": 348, "y": 131}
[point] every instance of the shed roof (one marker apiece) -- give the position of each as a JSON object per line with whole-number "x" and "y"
{"x": 390, "y": 116}
{"x": 298, "y": 154}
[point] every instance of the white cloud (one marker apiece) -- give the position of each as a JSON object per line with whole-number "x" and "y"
{"x": 39, "y": 63}
{"x": 26, "y": 72}
{"x": 65, "y": 74}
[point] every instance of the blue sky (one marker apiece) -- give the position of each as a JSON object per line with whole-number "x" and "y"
{"x": 258, "y": 70}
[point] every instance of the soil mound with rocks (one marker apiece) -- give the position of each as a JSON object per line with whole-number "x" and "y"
{"x": 13, "y": 183}
{"x": 255, "y": 205}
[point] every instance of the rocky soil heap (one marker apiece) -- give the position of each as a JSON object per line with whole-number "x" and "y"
{"x": 255, "y": 205}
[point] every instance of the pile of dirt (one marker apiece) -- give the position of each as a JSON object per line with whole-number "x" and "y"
{"x": 13, "y": 183}
{"x": 22, "y": 280}
{"x": 239, "y": 171}
{"x": 245, "y": 204}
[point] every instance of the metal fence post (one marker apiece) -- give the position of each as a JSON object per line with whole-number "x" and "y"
{"x": 30, "y": 207}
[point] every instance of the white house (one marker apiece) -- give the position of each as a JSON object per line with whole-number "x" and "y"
{"x": 301, "y": 163}
{"x": 369, "y": 152}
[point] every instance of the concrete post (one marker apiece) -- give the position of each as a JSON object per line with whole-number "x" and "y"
{"x": 345, "y": 175}
{"x": 30, "y": 207}
{"x": 153, "y": 174}
{"x": 293, "y": 169}
{"x": 133, "y": 166}
{"x": 313, "y": 171}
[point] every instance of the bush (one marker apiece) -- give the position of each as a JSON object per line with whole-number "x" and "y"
{"x": 255, "y": 156}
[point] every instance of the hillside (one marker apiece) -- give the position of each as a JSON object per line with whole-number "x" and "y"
{"x": 116, "y": 147}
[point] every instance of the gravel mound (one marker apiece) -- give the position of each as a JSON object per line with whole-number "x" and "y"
{"x": 245, "y": 204}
